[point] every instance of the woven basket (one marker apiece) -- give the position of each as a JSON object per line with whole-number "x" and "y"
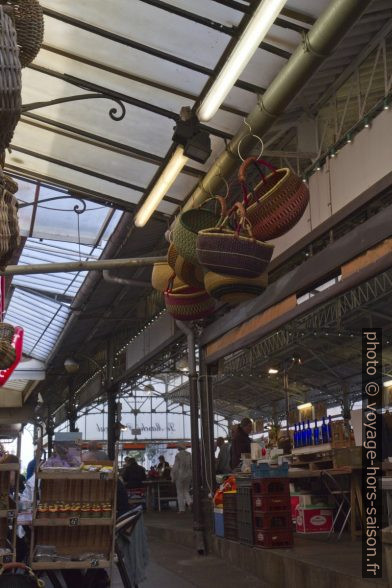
{"x": 232, "y": 290}
{"x": 5, "y": 233}
{"x": 188, "y": 304}
{"x": 29, "y": 24}
{"x": 10, "y": 184}
{"x": 6, "y": 332}
{"x": 231, "y": 253}
{"x": 10, "y": 80}
{"x": 276, "y": 204}
{"x": 189, "y": 223}
{"x": 161, "y": 274}
{"x": 187, "y": 272}
{"x": 7, "y": 355}
{"x": 9, "y": 223}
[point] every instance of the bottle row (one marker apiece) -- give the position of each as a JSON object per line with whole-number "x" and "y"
{"x": 306, "y": 435}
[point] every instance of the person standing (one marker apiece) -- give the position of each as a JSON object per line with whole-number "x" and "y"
{"x": 240, "y": 441}
{"x": 133, "y": 475}
{"x": 182, "y": 476}
{"x": 223, "y": 459}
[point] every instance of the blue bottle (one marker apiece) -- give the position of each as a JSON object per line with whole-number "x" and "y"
{"x": 316, "y": 433}
{"x": 295, "y": 436}
{"x": 324, "y": 432}
{"x": 309, "y": 439}
{"x": 329, "y": 429}
{"x": 303, "y": 435}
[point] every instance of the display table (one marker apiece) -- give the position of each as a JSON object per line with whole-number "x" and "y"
{"x": 159, "y": 490}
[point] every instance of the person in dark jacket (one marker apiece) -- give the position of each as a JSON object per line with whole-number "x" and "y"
{"x": 240, "y": 441}
{"x": 133, "y": 475}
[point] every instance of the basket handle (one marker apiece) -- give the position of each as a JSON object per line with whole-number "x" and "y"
{"x": 170, "y": 283}
{"x": 244, "y": 222}
{"x": 222, "y": 202}
{"x": 16, "y": 565}
{"x": 244, "y": 169}
{"x": 257, "y": 162}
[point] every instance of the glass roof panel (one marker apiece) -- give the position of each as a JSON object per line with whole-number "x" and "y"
{"x": 40, "y": 303}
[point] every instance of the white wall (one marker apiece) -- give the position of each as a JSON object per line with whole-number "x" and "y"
{"x": 356, "y": 167}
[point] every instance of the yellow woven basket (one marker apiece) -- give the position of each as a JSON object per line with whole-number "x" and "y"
{"x": 187, "y": 272}
{"x": 232, "y": 289}
{"x": 161, "y": 274}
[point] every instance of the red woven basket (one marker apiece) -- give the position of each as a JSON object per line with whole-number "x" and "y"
{"x": 277, "y": 203}
{"x": 233, "y": 253}
{"x": 188, "y": 304}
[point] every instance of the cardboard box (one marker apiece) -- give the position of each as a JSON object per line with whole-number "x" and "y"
{"x": 314, "y": 520}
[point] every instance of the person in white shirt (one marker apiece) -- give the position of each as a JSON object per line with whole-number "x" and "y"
{"x": 182, "y": 476}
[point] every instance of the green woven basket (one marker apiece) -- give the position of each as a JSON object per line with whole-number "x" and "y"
{"x": 189, "y": 223}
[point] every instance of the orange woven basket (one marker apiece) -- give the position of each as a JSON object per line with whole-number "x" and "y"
{"x": 277, "y": 203}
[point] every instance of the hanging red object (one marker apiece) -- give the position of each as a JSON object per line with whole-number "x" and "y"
{"x": 17, "y": 344}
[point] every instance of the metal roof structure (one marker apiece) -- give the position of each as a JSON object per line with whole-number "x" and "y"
{"x": 139, "y": 63}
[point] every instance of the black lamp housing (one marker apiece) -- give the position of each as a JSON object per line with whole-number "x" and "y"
{"x": 196, "y": 141}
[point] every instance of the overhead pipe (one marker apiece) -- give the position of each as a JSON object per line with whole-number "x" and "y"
{"x": 123, "y": 281}
{"x": 79, "y": 266}
{"x": 195, "y": 442}
{"x": 315, "y": 47}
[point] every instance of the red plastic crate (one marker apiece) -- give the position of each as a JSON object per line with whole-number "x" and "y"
{"x": 271, "y": 521}
{"x": 268, "y": 486}
{"x": 273, "y": 539}
{"x": 271, "y": 503}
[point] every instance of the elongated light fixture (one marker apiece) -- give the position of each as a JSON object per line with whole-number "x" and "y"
{"x": 163, "y": 184}
{"x": 255, "y": 31}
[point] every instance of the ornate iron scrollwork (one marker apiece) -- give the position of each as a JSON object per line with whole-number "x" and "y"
{"x": 116, "y": 114}
{"x": 79, "y": 209}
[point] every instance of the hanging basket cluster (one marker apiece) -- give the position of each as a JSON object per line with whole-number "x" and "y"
{"x": 226, "y": 256}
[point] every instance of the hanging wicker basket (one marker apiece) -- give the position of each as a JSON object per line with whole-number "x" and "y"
{"x": 187, "y": 272}
{"x": 231, "y": 252}
{"x": 160, "y": 277}
{"x": 188, "y": 304}
{"x": 232, "y": 290}
{"x": 7, "y": 355}
{"x": 189, "y": 223}
{"x": 28, "y": 19}
{"x": 9, "y": 223}
{"x": 277, "y": 203}
{"x": 10, "y": 80}
{"x": 6, "y": 332}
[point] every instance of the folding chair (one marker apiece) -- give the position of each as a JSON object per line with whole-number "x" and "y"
{"x": 342, "y": 500}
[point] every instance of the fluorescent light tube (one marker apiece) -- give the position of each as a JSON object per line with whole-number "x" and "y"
{"x": 273, "y": 371}
{"x": 306, "y": 405}
{"x": 163, "y": 184}
{"x": 387, "y": 384}
{"x": 257, "y": 28}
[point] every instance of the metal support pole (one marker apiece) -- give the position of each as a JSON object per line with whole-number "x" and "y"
{"x": 111, "y": 392}
{"x": 50, "y": 433}
{"x": 75, "y": 266}
{"x": 207, "y": 427}
{"x": 72, "y": 411}
{"x": 287, "y": 399}
{"x": 195, "y": 441}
